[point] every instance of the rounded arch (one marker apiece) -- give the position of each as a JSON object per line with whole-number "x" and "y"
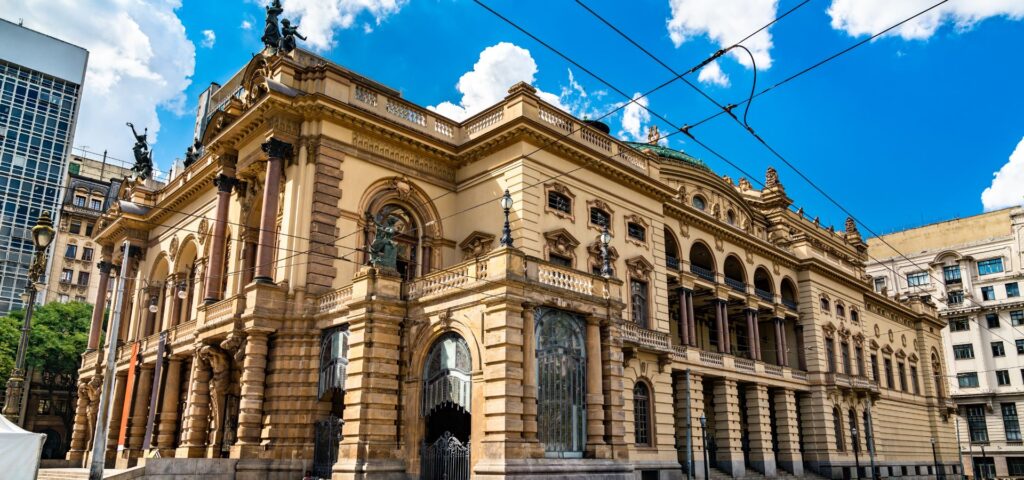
{"x": 733, "y": 269}
{"x": 702, "y": 258}
{"x": 161, "y": 268}
{"x": 945, "y": 255}
{"x": 447, "y": 374}
{"x": 419, "y": 226}
{"x": 403, "y": 192}
{"x": 643, "y": 412}
{"x": 186, "y": 256}
{"x": 671, "y": 249}
{"x": 788, "y": 292}
{"x": 763, "y": 280}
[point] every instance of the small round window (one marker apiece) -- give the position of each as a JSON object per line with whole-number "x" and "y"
{"x": 698, "y": 203}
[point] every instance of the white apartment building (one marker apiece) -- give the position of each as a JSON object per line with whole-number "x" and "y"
{"x": 972, "y": 269}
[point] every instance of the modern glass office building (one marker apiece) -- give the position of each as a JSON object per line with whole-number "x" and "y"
{"x": 40, "y": 87}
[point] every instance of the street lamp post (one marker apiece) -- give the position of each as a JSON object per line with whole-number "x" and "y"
{"x": 704, "y": 439}
{"x": 506, "y": 231}
{"x": 606, "y": 266}
{"x": 935, "y": 460}
{"x": 42, "y": 235}
{"x": 856, "y": 450}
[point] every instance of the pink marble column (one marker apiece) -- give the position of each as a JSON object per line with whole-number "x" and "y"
{"x": 276, "y": 151}
{"x": 684, "y": 320}
{"x": 751, "y": 334}
{"x": 722, "y": 321}
{"x": 215, "y": 272}
{"x": 692, "y": 318}
{"x": 780, "y": 351}
{"x": 99, "y": 305}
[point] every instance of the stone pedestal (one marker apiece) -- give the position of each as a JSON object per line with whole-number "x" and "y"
{"x": 197, "y": 415}
{"x": 789, "y": 457}
{"x": 758, "y": 413}
{"x": 80, "y": 434}
{"x": 727, "y": 428}
{"x": 250, "y": 410}
{"x": 168, "y": 424}
{"x": 595, "y": 391}
{"x": 681, "y": 428}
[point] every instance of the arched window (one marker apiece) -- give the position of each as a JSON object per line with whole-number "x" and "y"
{"x": 826, "y": 307}
{"x": 854, "y": 438}
{"x": 642, "y": 414}
{"x": 840, "y": 310}
{"x": 702, "y": 263}
{"x": 333, "y": 361}
{"x": 447, "y": 375}
{"x": 763, "y": 284}
{"x": 730, "y": 217}
{"x": 561, "y": 380}
{"x": 407, "y": 239}
{"x": 671, "y": 250}
{"x": 699, "y": 203}
{"x": 788, "y": 293}
{"x": 735, "y": 277}
{"x": 837, "y": 424}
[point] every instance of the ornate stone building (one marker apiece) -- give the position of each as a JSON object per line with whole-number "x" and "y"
{"x": 974, "y": 267}
{"x": 254, "y": 327}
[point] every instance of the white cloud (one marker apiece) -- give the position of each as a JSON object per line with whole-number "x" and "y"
{"x": 499, "y": 67}
{"x": 246, "y": 25}
{"x": 725, "y": 22}
{"x": 712, "y": 73}
{"x": 318, "y": 19}
{"x": 868, "y": 17}
{"x": 1007, "y": 187}
{"x": 139, "y": 60}
{"x": 634, "y": 119}
{"x": 209, "y": 38}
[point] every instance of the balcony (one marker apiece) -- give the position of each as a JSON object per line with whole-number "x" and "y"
{"x": 644, "y": 338}
{"x": 736, "y": 285}
{"x": 702, "y": 272}
{"x": 672, "y": 263}
{"x": 864, "y": 384}
{"x": 789, "y": 303}
{"x": 764, "y": 295}
{"x": 840, "y": 380}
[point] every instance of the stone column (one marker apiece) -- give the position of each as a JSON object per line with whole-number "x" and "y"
{"x": 758, "y": 413}
{"x": 250, "y": 410}
{"x": 214, "y": 274}
{"x": 757, "y": 335}
{"x": 139, "y": 413}
{"x": 681, "y": 428}
{"x": 684, "y": 319}
{"x": 114, "y": 426}
{"x": 80, "y": 434}
{"x": 727, "y": 428}
{"x": 722, "y": 324}
{"x": 785, "y": 344}
{"x": 197, "y": 414}
{"x": 789, "y": 457}
{"x": 502, "y": 392}
{"x": 693, "y": 319}
{"x": 751, "y": 333}
{"x": 99, "y": 305}
{"x": 530, "y": 375}
{"x": 595, "y": 390}
{"x": 725, "y": 326}
{"x": 780, "y": 351}
{"x": 167, "y": 427}
{"x": 176, "y": 303}
{"x": 276, "y": 151}
{"x": 612, "y": 361}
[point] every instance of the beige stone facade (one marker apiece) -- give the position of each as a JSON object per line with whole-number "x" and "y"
{"x": 973, "y": 268}
{"x": 73, "y": 274}
{"x": 269, "y": 322}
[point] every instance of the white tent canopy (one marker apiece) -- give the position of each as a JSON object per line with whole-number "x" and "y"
{"x": 20, "y": 451}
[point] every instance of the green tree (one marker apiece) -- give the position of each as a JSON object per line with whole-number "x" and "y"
{"x": 60, "y": 332}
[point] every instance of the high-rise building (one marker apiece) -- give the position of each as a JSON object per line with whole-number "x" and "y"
{"x": 40, "y": 89}
{"x": 972, "y": 268}
{"x": 92, "y": 184}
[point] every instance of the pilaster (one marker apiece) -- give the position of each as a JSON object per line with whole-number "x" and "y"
{"x": 139, "y": 416}
{"x": 612, "y": 361}
{"x": 80, "y": 433}
{"x": 166, "y": 428}
{"x": 696, "y": 411}
{"x": 788, "y": 430}
{"x": 762, "y": 458}
{"x": 727, "y": 428}
{"x": 250, "y": 411}
{"x": 196, "y": 425}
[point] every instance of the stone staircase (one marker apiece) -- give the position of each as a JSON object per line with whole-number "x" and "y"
{"x": 83, "y": 473}
{"x": 717, "y": 474}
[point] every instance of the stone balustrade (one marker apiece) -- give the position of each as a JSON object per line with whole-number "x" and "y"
{"x": 333, "y": 301}
{"x": 649, "y": 339}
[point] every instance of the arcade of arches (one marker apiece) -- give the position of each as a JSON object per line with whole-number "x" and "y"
{"x": 335, "y": 297}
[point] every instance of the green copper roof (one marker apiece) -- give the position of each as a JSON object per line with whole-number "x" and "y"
{"x": 668, "y": 153}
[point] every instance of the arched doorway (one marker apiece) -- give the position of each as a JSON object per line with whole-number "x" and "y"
{"x": 407, "y": 239}
{"x": 561, "y": 383}
{"x": 447, "y": 383}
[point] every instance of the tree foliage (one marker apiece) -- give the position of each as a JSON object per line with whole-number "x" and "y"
{"x": 59, "y": 335}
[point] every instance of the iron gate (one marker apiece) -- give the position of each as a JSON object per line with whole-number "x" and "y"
{"x": 561, "y": 384}
{"x": 446, "y": 459}
{"x": 326, "y": 437}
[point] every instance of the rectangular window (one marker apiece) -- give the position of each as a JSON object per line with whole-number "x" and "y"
{"x": 79, "y": 201}
{"x": 990, "y": 266}
{"x": 889, "y": 380}
{"x": 1017, "y": 318}
{"x": 75, "y": 227}
{"x": 874, "y": 368}
{"x": 87, "y": 254}
{"x": 63, "y": 298}
{"x": 992, "y": 319}
{"x": 560, "y": 260}
{"x": 66, "y": 275}
{"x": 830, "y": 354}
{"x": 1015, "y": 466}
{"x": 600, "y": 217}
{"x": 560, "y": 202}
{"x": 71, "y": 251}
{"x": 1003, "y": 378}
{"x": 988, "y": 293}
{"x": 83, "y": 278}
{"x": 1012, "y": 290}
{"x": 845, "y": 352}
{"x": 879, "y": 283}
{"x": 858, "y": 354}
{"x": 1011, "y": 425}
{"x": 88, "y": 229}
{"x": 963, "y": 352}
{"x": 998, "y": 350}
{"x": 901, "y": 370}
{"x": 1020, "y": 346}
{"x": 976, "y": 423}
{"x": 951, "y": 274}
{"x": 636, "y": 231}
{"x": 638, "y": 299}
{"x": 95, "y": 204}
{"x": 917, "y": 279}
{"x": 967, "y": 380}
{"x": 955, "y": 298}
{"x": 959, "y": 324}
{"x": 913, "y": 380}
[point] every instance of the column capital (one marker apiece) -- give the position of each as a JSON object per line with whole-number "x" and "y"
{"x": 225, "y": 183}
{"x": 104, "y": 267}
{"x": 275, "y": 148}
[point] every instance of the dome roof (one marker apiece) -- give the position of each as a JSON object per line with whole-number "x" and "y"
{"x": 670, "y": 154}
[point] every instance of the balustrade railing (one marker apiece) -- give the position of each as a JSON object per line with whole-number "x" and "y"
{"x": 332, "y": 301}
{"x": 736, "y": 284}
{"x": 651, "y": 339}
{"x": 672, "y": 263}
{"x": 799, "y": 374}
{"x": 561, "y": 277}
{"x": 773, "y": 370}
{"x": 702, "y": 272}
{"x": 764, "y": 295}
{"x": 790, "y": 304}
{"x": 744, "y": 364}
{"x": 713, "y": 359}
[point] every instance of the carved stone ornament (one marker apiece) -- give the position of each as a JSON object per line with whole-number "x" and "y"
{"x": 476, "y": 244}
{"x": 639, "y": 268}
{"x": 173, "y": 251}
{"x": 887, "y": 350}
{"x": 745, "y": 184}
{"x": 254, "y": 82}
{"x": 771, "y": 179}
{"x": 829, "y": 330}
{"x": 401, "y": 186}
{"x": 204, "y": 229}
{"x": 445, "y": 318}
{"x": 561, "y": 242}
{"x": 594, "y": 251}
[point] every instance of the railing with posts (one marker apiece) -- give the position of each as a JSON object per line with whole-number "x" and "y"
{"x": 736, "y": 284}
{"x": 672, "y": 263}
{"x": 773, "y": 370}
{"x": 702, "y": 272}
{"x": 764, "y": 295}
{"x": 448, "y": 280}
{"x": 788, "y": 303}
{"x": 334, "y": 300}
{"x": 799, "y": 374}
{"x": 744, "y": 364}
{"x": 651, "y": 339}
{"x": 713, "y": 359}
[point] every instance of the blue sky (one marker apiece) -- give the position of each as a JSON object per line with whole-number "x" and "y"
{"x": 904, "y": 130}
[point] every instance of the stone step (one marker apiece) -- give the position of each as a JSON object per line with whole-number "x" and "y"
{"x": 83, "y": 474}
